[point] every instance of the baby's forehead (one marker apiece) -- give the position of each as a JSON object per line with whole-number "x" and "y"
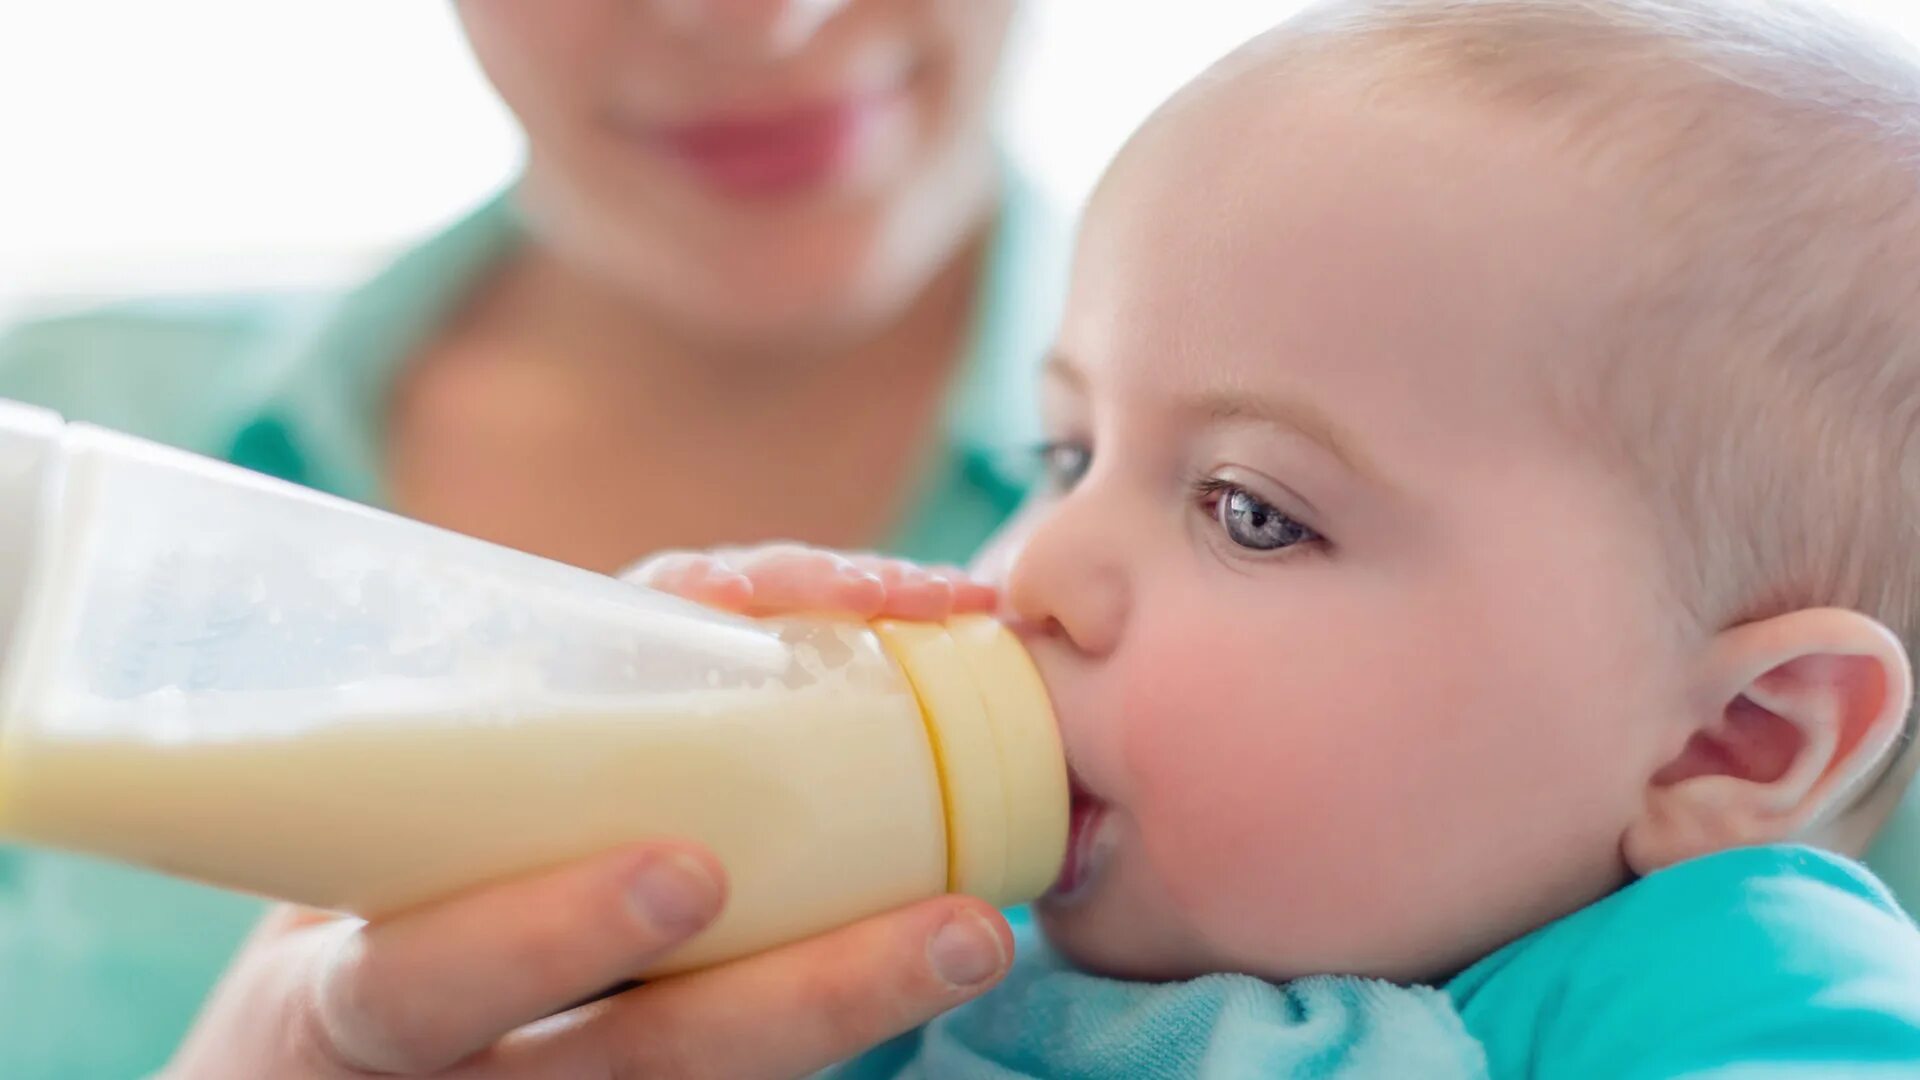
{"x": 1245, "y": 148}
{"x": 1279, "y": 221}
{"x": 1397, "y": 189}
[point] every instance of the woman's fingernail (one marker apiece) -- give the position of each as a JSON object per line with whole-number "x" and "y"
{"x": 966, "y": 952}
{"x": 675, "y": 893}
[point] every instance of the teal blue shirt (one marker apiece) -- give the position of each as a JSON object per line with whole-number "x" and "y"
{"x": 1779, "y": 962}
{"x": 1782, "y": 963}
{"x": 102, "y": 967}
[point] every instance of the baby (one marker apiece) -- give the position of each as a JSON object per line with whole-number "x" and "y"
{"x": 1484, "y": 515}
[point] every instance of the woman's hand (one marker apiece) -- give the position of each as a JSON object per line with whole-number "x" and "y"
{"x": 485, "y": 986}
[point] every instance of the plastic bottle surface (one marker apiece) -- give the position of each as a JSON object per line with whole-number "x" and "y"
{"x": 240, "y": 681}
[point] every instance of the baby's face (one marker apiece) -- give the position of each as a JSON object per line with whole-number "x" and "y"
{"x": 1363, "y": 662}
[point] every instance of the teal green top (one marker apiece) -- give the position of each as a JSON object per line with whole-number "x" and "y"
{"x": 1782, "y": 963}
{"x": 1895, "y": 854}
{"x": 1779, "y": 962}
{"x": 101, "y": 967}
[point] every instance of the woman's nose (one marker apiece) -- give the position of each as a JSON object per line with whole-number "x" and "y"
{"x": 766, "y": 27}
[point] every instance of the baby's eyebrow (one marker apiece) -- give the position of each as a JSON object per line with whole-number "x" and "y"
{"x": 1228, "y": 406}
{"x": 1295, "y": 414}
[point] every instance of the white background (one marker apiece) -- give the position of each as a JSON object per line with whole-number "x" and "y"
{"x": 200, "y": 144}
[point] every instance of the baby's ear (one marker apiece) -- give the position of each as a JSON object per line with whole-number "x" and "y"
{"x": 1795, "y": 713}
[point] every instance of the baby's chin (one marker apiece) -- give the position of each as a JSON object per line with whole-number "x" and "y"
{"x": 1097, "y": 935}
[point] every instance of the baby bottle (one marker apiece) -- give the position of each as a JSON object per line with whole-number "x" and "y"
{"x": 233, "y": 679}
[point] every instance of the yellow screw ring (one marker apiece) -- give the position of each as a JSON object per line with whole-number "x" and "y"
{"x": 964, "y": 751}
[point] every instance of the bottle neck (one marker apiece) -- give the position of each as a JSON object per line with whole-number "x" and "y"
{"x": 997, "y": 747}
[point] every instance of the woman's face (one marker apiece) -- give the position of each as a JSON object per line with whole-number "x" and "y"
{"x": 751, "y": 172}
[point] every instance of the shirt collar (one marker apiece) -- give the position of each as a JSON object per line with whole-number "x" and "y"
{"x": 326, "y": 381}
{"x": 324, "y": 387}
{"x": 993, "y": 417}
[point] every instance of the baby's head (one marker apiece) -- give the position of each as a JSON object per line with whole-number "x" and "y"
{"x": 1489, "y": 453}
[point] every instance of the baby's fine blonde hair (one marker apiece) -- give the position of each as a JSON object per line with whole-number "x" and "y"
{"x": 1764, "y": 380}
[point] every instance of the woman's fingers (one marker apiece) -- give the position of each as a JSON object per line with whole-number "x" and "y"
{"x": 426, "y": 989}
{"x": 786, "y": 1013}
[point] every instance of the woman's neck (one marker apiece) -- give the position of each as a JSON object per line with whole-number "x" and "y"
{"x": 556, "y": 420}
{"x": 538, "y": 304}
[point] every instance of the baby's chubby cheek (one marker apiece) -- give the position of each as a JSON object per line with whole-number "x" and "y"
{"x": 1211, "y": 769}
{"x": 1261, "y": 795}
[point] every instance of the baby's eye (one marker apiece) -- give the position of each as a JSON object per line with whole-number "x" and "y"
{"x": 1063, "y": 463}
{"x": 1251, "y": 522}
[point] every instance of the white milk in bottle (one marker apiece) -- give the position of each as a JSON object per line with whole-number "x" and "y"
{"x": 233, "y": 679}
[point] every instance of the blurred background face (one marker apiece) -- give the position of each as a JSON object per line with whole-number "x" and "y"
{"x": 365, "y": 125}
{"x": 751, "y": 170}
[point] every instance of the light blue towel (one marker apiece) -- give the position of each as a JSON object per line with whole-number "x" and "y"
{"x": 1048, "y": 1020}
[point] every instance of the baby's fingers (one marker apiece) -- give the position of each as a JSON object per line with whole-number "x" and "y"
{"x": 912, "y": 592}
{"x": 696, "y": 576}
{"x": 970, "y": 595}
{"x": 928, "y": 593}
{"x": 789, "y": 579}
{"x": 778, "y": 580}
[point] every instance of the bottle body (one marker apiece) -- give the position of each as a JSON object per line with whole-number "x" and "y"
{"x": 236, "y": 680}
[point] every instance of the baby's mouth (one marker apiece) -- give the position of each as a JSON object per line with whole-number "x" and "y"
{"x": 1089, "y": 839}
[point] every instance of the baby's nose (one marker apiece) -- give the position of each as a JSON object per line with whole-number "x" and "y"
{"x": 1063, "y": 583}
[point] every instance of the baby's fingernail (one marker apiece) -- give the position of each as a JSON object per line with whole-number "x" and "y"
{"x": 966, "y": 952}
{"x": 675, "y": 893}
{"x": 850, "y": 572}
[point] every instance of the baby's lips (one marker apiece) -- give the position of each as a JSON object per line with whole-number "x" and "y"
{"x": 1076, "y": 788}
{"x": 1087, "y": 841}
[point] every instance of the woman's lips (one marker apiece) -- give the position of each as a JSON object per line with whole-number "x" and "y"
{"x": 776, "y": 153}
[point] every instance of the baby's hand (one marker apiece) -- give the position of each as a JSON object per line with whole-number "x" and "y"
{"x": 785, "y": 578}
